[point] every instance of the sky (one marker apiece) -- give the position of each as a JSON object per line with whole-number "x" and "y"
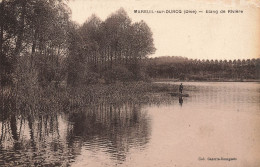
{"x": 198, "y": 36}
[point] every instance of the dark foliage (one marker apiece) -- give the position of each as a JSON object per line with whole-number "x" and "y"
{"x": 113, "y": 48}
{"x": 189, "y": 69}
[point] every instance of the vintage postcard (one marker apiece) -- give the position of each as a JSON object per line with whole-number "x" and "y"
{"x": 130, "y": 83}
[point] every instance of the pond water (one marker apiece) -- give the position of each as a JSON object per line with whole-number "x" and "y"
{"x": 219, "y": 119}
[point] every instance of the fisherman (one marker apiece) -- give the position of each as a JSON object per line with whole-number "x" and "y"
{"x": 181, "y": 88}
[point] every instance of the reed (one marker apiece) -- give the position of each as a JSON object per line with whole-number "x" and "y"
{"x": 30, "y": 101}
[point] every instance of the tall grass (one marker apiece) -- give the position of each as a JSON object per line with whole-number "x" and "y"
{"x": 29, "y": 98}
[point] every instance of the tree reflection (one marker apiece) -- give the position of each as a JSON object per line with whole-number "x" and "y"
{"x": 113, "y": 128}
{"x": 55, "y": 139}
{"x": 31, "y": 139}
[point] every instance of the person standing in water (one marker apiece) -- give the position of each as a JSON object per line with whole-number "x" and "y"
{"x": 181, "y": 88}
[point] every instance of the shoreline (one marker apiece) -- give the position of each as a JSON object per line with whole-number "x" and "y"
{"x": 227, "y": 80}
{"x": 66, "y": 99}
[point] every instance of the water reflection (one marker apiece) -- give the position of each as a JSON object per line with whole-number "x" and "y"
{"x": 180, "y": 100}
{"x": 111, "y": 128}
{"x": 56, "y": 139}
{"x": 120, "y": 135}
{"x": 31, "y": 141}
{"x": 239, "y": 96}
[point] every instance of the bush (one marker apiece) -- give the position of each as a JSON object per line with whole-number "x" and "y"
{"x": 89, "y": 78}
{"x": 118, "y": 73}
{"x": 50, "y": 68}
{"x": 142, "y": 76}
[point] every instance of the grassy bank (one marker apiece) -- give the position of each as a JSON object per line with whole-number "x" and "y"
{"x": 66, "y": 99}
{"x": 137, "y": 92}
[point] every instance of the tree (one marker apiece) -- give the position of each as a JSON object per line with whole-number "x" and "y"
{"x": 111, "y": 45}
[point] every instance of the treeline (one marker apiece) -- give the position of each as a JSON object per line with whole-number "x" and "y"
{"x": 195, "y": 69}
{"x": 41, "y": 46}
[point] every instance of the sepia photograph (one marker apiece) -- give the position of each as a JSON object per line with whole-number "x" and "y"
{"x": 130, "y": 83}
